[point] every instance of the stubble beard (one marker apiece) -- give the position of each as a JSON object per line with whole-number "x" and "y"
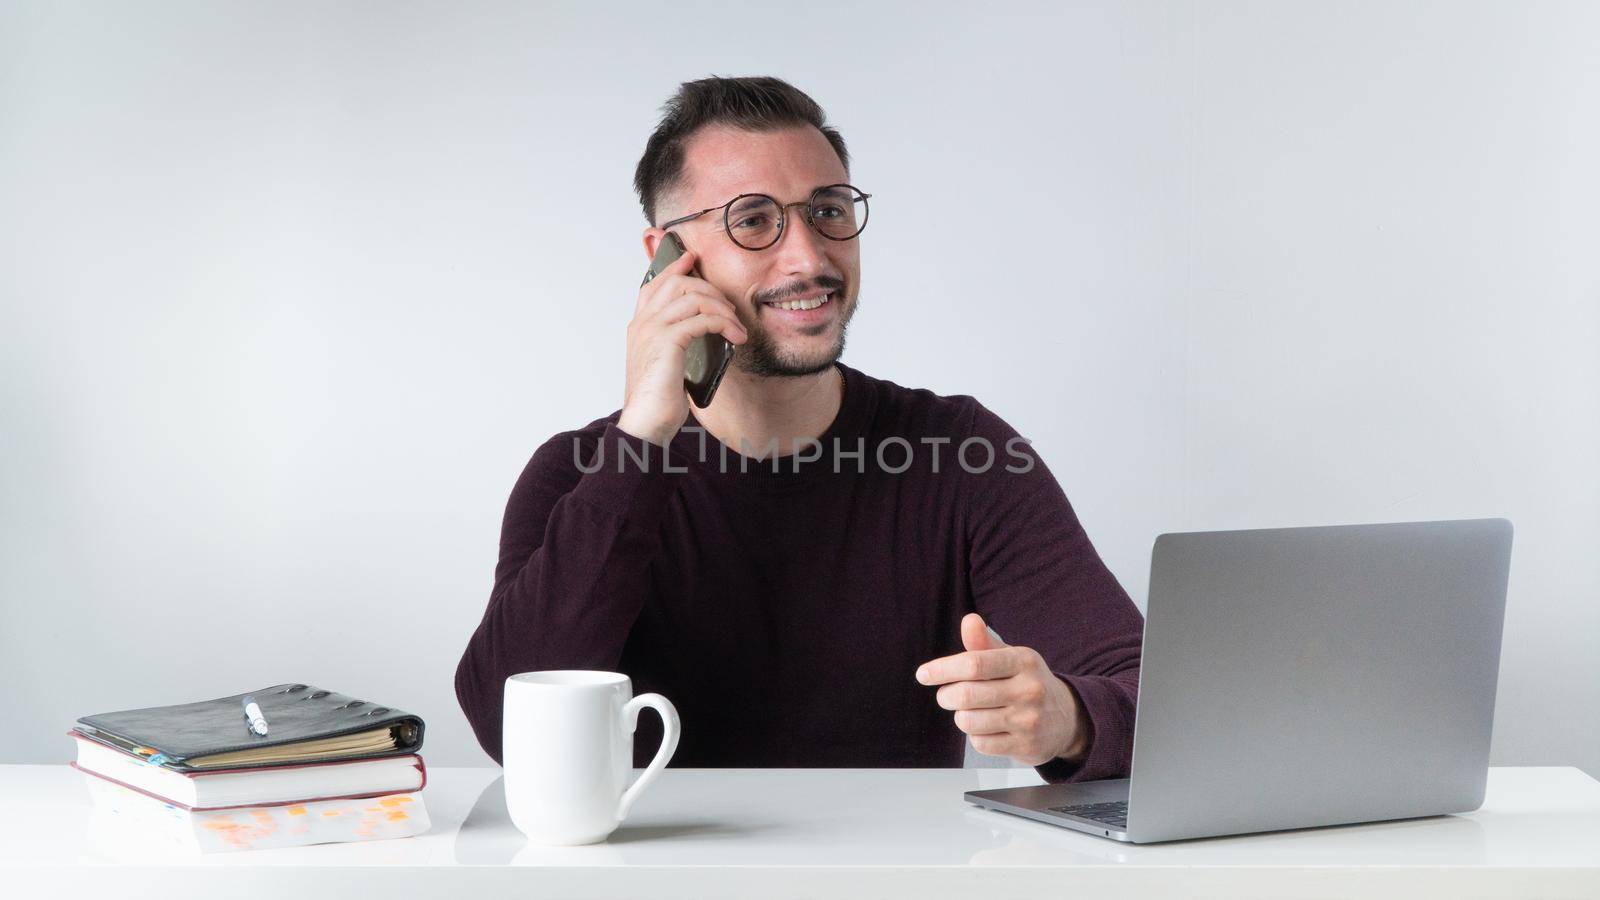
{"x": 763, "y": 357}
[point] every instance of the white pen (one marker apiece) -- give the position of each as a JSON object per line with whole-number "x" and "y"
{"x": 252, "y": 714}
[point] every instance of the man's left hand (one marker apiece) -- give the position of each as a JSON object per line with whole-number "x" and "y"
{"x": 1007, "y": 700}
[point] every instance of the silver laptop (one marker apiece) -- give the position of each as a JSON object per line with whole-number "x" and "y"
{"x": 1301, "y": 677}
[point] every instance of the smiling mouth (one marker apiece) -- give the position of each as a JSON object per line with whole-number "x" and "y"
{"x": 802, "y": 305}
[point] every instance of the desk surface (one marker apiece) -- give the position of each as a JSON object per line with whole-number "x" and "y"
{"x": 801, "y": 832}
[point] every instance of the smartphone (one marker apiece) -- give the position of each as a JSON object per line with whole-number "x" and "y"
{"x": 707, "y": 355}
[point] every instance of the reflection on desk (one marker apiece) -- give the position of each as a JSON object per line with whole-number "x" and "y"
{"x": 700, "y": 833}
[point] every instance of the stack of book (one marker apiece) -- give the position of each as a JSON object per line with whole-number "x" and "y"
{"x": 280, "y": 767}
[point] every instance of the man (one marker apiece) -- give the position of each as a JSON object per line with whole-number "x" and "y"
{"x": 809, "y": 566}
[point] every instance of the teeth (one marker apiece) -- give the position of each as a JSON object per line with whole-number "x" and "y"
{"x": 812, "y": 303}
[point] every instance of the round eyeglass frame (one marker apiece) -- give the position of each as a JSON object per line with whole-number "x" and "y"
{"x": 783, "y": 215}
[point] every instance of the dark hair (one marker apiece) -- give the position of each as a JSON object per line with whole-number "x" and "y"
{"x": 753, "y": 104}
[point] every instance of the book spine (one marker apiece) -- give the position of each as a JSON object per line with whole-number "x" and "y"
{"x": 130, "y": 827}
{"x": 187, "y": 808}
{"x": 157, "y": 797}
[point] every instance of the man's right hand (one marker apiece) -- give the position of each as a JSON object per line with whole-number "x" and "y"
{"x": 673, "y": 309}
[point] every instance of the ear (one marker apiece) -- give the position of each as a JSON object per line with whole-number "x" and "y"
{"x": 652, "y": 240}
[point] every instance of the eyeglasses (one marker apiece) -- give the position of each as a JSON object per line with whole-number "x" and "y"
{"x": 838, "y": 212}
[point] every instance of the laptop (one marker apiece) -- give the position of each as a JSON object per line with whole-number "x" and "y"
{"x": 1303, "y": 677}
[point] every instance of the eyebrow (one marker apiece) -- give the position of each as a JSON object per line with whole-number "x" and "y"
{"x": 839, "y": 190}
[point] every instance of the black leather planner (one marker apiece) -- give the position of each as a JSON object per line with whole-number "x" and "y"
{"x": 304, "y": 724}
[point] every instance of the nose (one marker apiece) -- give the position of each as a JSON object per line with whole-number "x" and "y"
{"x": 802, "y": 253}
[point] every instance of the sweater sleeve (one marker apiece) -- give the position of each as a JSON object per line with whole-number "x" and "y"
{"x": 572, "y": 578}
{"x": 1037, "y": 580}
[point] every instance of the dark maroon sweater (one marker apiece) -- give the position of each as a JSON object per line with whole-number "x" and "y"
{"x": 785, "y": 613}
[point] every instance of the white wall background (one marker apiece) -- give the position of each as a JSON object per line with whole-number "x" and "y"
{"x": 289, "y": 294}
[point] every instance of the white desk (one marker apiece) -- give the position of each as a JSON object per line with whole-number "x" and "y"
{"x": 804, "y": 833}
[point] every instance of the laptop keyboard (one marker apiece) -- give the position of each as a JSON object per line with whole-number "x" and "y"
{"x": 1115, "y": 813}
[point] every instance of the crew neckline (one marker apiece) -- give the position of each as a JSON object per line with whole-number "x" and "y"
{"x": 854, "y": 410}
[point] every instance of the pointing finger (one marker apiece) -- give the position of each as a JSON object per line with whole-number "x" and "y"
{"x": 973, "y": 665}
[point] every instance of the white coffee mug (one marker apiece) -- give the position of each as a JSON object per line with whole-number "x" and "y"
{"x": 568, "y": 752}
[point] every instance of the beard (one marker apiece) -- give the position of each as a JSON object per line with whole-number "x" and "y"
{"x": 764, "y": 357}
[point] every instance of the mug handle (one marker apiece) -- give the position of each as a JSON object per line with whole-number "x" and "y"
{"x": 669, "y": 743}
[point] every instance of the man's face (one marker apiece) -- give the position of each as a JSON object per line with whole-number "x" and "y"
{"x": 721, "y": 163}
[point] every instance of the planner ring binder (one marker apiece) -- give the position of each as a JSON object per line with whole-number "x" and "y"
{"x": 308, "y": 724}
